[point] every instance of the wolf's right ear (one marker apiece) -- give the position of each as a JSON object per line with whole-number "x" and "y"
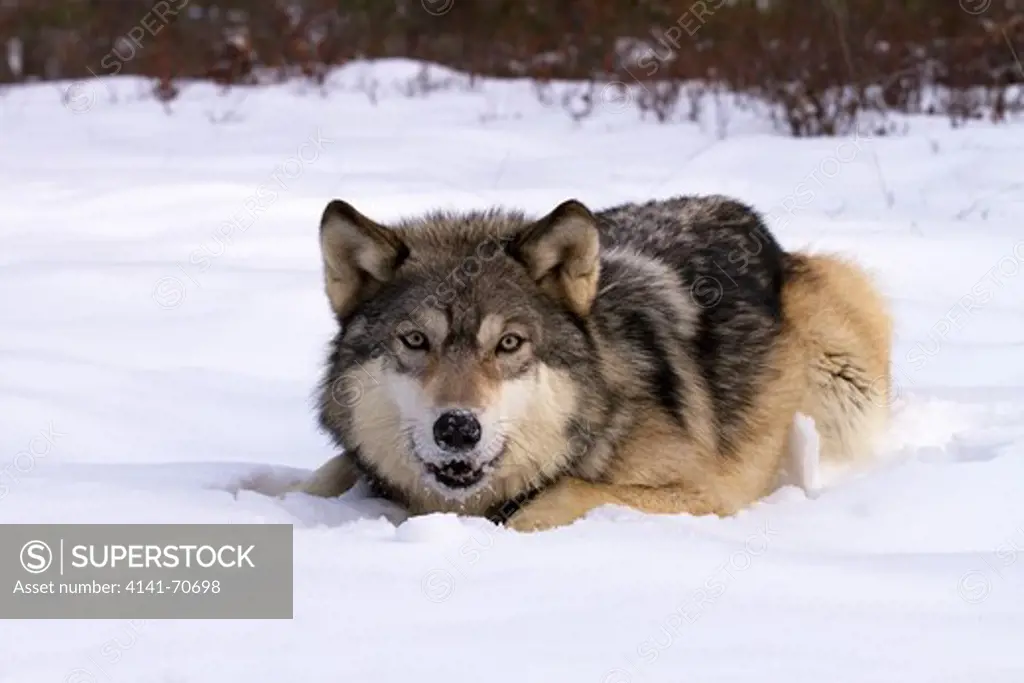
{"x": 359, "y": 256}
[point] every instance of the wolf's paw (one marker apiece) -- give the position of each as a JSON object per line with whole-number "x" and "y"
{"x": 561, "y": 505}
{"x": 537, "y": 519}
{"x": 268, "y": 483}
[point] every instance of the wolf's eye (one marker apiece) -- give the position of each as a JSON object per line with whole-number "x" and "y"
{"x": 414, "y": 340}
{"x": 510, "y": 343}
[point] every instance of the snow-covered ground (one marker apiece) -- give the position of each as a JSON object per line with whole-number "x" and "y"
{"x": 162, "y": 326}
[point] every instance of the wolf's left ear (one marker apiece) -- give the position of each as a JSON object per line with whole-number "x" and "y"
{"x": 359, "y": 256}
{"x": 561, "y": 252}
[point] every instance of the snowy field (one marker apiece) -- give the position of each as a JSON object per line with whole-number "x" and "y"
{"x": 163, "y": 326}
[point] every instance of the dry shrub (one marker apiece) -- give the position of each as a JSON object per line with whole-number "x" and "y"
{"x": 822, "y": 67}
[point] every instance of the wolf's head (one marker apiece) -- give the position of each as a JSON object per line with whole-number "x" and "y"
{"x": 462, "y": 352}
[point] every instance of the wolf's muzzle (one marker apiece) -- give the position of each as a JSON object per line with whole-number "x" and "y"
{"x": 457, "y": 474}
{"x": 457, "y": 431}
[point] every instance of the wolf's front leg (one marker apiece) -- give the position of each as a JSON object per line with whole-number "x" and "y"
{"x": 561, "y": 504}
{"x": 332, "y": 479}
{"x": 570, "y": 499}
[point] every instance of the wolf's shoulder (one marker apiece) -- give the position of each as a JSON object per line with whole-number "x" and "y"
{"x": 713, "y": 242}
{"x": 696, "y": 235}
{"x": 700, "y": 221}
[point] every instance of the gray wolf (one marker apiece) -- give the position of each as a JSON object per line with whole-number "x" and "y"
{"x": 531, "y": 368}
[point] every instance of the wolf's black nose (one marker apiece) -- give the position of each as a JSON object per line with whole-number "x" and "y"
{"x": 457, "y": 430}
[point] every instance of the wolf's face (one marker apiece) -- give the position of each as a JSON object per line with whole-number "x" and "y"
{"x": 452, "y": 366}
{"x": 457, "y": 377}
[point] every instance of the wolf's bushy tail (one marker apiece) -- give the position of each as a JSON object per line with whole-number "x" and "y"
{"x": 845, "y": 328}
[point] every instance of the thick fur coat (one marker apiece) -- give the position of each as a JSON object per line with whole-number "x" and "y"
{"x": 531, "y": 369}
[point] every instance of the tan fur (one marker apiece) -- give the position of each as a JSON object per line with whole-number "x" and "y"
{"x": 332, "y": 479}
{"x": 846, "y": 330}
{"x": 831, "y": 363}
{"x": 473, "y": 386}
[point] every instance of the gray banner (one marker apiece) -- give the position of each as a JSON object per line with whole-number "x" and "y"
{"x": 146, "y": 571}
